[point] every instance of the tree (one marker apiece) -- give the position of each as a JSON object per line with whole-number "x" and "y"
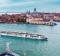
{"x": 21, "y": 20}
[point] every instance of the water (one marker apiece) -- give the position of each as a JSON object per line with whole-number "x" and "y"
{"x": 32, "y": 47}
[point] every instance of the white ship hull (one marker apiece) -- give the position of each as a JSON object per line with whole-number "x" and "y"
{"x": 25, "y": 35}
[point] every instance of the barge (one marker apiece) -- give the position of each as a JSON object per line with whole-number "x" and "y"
{"x": 23, "y": 35}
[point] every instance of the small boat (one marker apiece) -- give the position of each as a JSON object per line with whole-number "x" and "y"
{"x": 8, "y": 51}
{"x": 23, "y": 35}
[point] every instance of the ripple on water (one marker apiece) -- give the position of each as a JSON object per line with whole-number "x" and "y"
{"x": 32, "y": 47}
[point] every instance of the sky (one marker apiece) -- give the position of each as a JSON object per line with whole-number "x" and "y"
{"x": 26, "y": 5}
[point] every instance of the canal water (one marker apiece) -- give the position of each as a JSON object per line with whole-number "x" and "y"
{"x": 32, "y": 47}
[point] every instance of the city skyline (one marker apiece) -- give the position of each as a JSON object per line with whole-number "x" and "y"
{"x": 25, "y": 5}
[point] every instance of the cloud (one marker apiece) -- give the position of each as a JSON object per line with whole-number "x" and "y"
{"x": 2, "y": 2}
{"x": 52, "y": 2}
{"x": 5, "y": 4}
{"x": 23, "y": 5}
{"x": 56, "y": 2}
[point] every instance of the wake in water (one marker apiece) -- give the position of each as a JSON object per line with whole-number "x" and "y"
{"x": 8, "y": 51}
{"x": 7, "y": 47}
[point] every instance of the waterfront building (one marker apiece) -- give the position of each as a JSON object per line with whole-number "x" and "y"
{"x": 48, "y": 16}
{"x": 31, "y": 17}
{"x": 56, "y": 18}
{"x": 34, "y": 20}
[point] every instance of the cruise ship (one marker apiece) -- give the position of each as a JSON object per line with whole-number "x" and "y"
{"x": 23, "y": 35}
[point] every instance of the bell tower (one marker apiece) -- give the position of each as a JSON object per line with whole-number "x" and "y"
{"x": 35, "y": 10}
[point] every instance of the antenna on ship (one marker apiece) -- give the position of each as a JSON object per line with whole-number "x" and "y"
{"x": 7, "y": 47}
